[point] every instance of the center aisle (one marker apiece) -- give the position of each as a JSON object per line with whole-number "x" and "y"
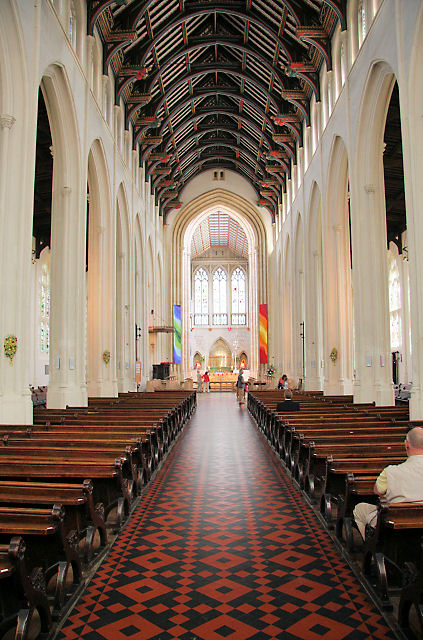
{"x": 223, "y": 547}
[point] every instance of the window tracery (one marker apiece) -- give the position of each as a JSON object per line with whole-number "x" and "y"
{"x": 201, "y": 297}
{"x": 45, "y": 309}
{"x": 395, "y": 306}
{"x": 238, "y": 282}
{"x": 220, "y": 298}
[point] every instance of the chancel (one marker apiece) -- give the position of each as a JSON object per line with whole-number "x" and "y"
{"x": 202, "y": 188}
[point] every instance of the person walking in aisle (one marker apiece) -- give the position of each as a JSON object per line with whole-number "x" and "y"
{"x": 206, "y": 382}
{"x": 199, "y": 381}
{"x": 240, "y": 387}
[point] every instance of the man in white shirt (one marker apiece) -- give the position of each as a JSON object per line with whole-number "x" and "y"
{"x": 396, "y": 483}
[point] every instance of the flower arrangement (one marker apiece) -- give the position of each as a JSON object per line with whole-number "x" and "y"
{"x": 10, "y": 346}
{"x": 106, "y": 356}
{"x": 271, "y": 370}
{"x": 334, "y": 355}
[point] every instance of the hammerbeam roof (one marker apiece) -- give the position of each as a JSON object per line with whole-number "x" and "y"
{"x": 216, "y": 84}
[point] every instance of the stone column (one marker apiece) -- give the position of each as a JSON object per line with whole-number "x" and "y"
{"x": 373, "y": 374}
{"x": 15, "y": 258}
{"x": 313, "y": 329}
{"x": 67, "y": 382}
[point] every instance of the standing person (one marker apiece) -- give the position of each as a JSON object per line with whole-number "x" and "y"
{"x": 283, "y": 382}
{"x": 199, "y": 381}
{"x": 206, "y": 382}
{"x": 240, "y": 386}
{"x": 396, "y": 483}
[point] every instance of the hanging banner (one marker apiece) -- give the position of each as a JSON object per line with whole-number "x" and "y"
{"x": 263, "y": 332}
{"x": 177, "y": 334}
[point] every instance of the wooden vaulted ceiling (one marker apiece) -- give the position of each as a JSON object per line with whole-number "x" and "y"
{"x": 219, "y": 230}
{"x": 215, "y": 84}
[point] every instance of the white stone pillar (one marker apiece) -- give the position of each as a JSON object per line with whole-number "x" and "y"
{"x": 313, "y": 327}
{"x": 373, "y": 372}
{"x": 344, "y": 310}
{"x": 15, "y": 398}
{"x": 67, "y": 385}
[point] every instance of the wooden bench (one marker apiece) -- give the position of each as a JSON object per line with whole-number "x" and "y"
{"x": 332, "y": 481}
{"x": 109, "y": 484}
{"x": 21, "y": 593}
{"x": 81, "y": 514}
{"x": 59, "y": 554}
{"x": 396, "y": 540}
{"x": 357, "y": 489}
{"x": 412, "y": 594}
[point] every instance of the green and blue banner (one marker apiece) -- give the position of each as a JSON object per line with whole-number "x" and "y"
{"x": 177, "y": 334}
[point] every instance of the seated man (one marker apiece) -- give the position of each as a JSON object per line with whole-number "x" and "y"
{"x": 396, "y": 483}
{"x": 289, "y": 404}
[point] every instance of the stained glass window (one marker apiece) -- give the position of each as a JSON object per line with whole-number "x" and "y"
{"x": 220, "y": 301}
{"x": 44, "y": 309}
{"x": 395, "y": 306}
{"x": 238, "y": 297}
{"x": 201, "y": 297}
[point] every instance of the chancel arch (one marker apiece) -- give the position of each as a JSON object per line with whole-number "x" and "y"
{"x": 247, "y": 216}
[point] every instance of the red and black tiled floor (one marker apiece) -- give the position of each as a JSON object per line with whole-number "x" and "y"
{"x": 223, "y": 547}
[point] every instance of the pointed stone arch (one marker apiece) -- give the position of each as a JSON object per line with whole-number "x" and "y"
{"x": 373, "y": 380}
{"x": 337, "y": 274}
{"x": 67, "y": 384}
{"x": 220, "y": 354}
{"x": 101, "y": 377}
{"x": 250, "y": 219}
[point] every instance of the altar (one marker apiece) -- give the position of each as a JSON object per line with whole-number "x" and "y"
{"x": 222, "y": 380}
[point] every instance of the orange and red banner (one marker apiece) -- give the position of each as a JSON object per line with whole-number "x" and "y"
{"x": 263, "y": 332}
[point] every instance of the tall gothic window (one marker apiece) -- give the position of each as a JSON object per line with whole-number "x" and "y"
{"x": 343, "y": 64}
{"x": 45, "y": 309}
{"x": 362, "y": 26}
{"x": 220, "y": 298}
{"x": 72, "y": 25}
{"x": 395, "y": 307}
{"x": 239, "y": 315}
{"x": 201, "y": 297}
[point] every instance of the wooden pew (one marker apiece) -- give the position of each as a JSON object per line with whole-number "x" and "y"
{"x": 412, "y": 594}
{"x": 81, "y": 514}
{"x": 21, "y": 593}
{"x": 109, "y": 484}
{"x": 357, "y": 489}
{"x": 332, "y": 481}
{"x": 396, "y": 540}
{"x": 59, "y": 554}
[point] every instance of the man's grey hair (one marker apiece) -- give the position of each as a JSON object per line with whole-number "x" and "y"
{"x": 415, "y": 438}
{"x": 288, "y": 395}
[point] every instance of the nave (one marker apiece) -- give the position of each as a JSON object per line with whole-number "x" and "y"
{"x": 222, "y": 545}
